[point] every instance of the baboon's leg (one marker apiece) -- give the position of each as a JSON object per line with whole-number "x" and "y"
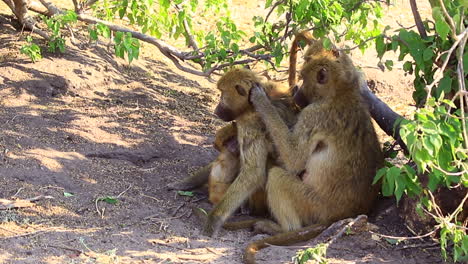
{"x": 197, "y": 179}
{"x": 286, "y": 195}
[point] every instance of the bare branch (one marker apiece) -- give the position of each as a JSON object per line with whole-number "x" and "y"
{"x": 51, "y": 7}
{"x": 20, "y": 10}
{"x": 162, "y": 46}
{"x": 39, "y": 8}
{"x": 461, "y": 85}
{"x": 418, "y": 20}
{"x": 189, "y": 36}
{"x": 449, "y": 20}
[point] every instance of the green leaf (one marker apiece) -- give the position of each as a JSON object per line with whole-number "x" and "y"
{"x": 380, "y": 46}
{"x": 327, "y": 44}
{"x": 400, "y": 186}
{"x": 185, "y": 193}
{"x": 389, "y": 64}
{"x": 442, "y": 28}
{"x": 434, "y": 179}
{"x": 445, "y": 85}
{"x": 67, "y": 194}
{"x": 93, "y": 34}
{"x": 436, "y": 141}
{"x": 428, "y": 146}
{"x": 430, "y": 127}
{"x": 108, "y": 199}
{"x": 408, "y": 67}
{"x": 392, "y": 241}
{"x": 428, "y": 54}
{"x": 381, "y": 172}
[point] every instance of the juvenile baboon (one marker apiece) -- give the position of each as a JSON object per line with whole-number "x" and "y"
{"x": 254, "y": 145}
{"x": 221, "y": 172}
{"x": 226, "y": 143}
{"x": 226, "y": 166}
{"x": 331, "y": 155}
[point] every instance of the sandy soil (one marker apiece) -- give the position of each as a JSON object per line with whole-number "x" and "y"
{"x": 87, "y": 124}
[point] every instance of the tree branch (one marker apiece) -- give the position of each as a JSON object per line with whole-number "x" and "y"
{"x": 386, "y": 118}
{"x": 418, "y": 20}
{"x": 20, "y": 10}
{"x": 449, "y": 20}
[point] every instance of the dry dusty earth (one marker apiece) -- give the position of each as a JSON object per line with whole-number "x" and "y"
{"x": 87, "y": 124}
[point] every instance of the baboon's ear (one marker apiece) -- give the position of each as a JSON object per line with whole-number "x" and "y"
{"x": 240, "y": 90}
{"x": 246, "y": 66}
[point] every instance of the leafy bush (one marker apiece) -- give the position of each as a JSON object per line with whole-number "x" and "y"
{"x": 31, "y": 50}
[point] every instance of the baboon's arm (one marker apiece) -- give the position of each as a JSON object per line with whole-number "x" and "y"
{"x": 283, "y": 139}
{"x": 252, "y": 176}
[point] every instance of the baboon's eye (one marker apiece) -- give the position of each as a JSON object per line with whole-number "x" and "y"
{"x": 295, "y": 89}
{"x": 240, "y": 91}
{"x": 322, "y": 76}
{"x": 336, "y": 53}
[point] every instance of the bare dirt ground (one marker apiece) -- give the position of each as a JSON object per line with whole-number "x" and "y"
{"x": 87, "y": 124}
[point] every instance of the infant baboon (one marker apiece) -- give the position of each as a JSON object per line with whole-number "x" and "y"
{"x": 256, "y": 150}
{"x": 331, "y": 155}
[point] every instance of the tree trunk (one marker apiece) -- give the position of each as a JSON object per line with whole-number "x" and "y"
{"x": 386, "y": 118}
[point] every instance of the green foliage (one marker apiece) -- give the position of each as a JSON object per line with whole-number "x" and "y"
{"x": 426, "y": 55}
{"x": 316, "y": 254}
{"x": 108, "y": 199}
{"x": 31, "y": 50}
{"x": 55, "y": 24}
{"x": 186, "y": 193}
{"x": 125, "y": 43}
{"x": 221, "y": 45}
{"x": 435, "y": 143}
{"x": 435, "y": 135}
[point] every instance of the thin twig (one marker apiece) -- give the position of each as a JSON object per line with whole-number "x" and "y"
{"x": 462, "y": 87}
{"x": 425, "y": 245}
{"x": 122, "y": 193}
{"x": 459, "y": 208}
{"x": 17, "y": 192}
{"x": 177, "y": 209}
{"x": 405, "y": 238}
{"x": 67, "y": 248}
{"x": 151, "y": 197}
{"x": 449, "y": 20}
{"x": 439, "y": 73}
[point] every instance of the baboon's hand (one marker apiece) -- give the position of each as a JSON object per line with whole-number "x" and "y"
{"x": 212, "y": 226}
{"x": 256, "y": 93}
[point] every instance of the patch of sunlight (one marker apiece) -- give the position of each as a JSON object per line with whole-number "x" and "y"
{"x": 54, "y": 211}
{"x": 97, "y": 130}
{"x": 50, "y": 158}
{"x": 187, "y": 139}
{"x": 5, "y": 257}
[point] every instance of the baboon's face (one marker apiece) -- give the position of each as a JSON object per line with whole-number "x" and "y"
{"x": 235, "y": 86}
{"x": 324, "y": 74}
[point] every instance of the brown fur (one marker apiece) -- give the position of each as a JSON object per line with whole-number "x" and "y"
{"x": 254, "y": 144}
{"x": 331, "y": 155}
